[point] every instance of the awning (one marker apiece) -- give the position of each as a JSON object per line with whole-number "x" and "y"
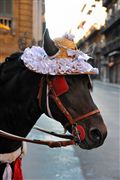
{"x": 4, "y": 27}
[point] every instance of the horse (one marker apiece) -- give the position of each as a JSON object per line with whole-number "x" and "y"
{"x": 25, "y": 95}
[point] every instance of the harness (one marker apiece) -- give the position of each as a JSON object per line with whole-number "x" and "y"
{"x": 78, "y": 132}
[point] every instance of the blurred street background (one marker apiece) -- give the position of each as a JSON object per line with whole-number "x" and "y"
{"x": 96, "y": 26}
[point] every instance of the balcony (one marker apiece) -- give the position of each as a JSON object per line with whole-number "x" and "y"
{"x": 6, "y": 21}
{"x": 111, "y": 46}
{"x": 113, "y": 21}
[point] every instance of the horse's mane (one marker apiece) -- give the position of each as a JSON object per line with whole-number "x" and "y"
{"x": 10, "y": 67}
{"x": 13, "y": 56}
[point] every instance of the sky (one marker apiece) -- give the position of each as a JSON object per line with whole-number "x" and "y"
{"x": 65, "y": 16}
{"x": 62, "y": 15}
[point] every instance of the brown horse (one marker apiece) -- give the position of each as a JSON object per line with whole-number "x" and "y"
{"x": 24, "y": 98}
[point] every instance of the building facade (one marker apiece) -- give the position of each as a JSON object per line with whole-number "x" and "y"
{"x": 105, "y": 39}
{"x": 90, "y": 26}
{"x": 25, "y": 19}
{"x": 111, "y": 49}
{"x": 91, "y": 45}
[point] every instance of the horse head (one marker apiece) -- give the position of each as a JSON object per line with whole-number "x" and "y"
{"x": 55, "y": 81}
{"x": 80, "y": 116}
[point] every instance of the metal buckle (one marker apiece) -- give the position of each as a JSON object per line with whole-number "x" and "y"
{"x": 76, "y": 134}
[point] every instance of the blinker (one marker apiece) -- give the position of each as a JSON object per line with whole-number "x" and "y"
{"x": 78, "y": 133}
{"x": 60, "y": 85}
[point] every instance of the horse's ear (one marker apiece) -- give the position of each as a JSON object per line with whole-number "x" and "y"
{"x": 49, "y": 45}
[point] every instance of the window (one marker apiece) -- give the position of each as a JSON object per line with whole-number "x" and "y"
{"x": 89, "y": 12}
{"x": 6, "y": 8}
{"x": 6, "y": 14}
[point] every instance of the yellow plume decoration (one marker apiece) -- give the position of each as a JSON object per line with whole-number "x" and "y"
{"x": 63, "y": 44}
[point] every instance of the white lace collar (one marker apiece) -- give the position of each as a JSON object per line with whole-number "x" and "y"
{"x": 36, "y": 59}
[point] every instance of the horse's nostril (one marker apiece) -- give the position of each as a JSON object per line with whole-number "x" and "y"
{"x": 95, "y": 135}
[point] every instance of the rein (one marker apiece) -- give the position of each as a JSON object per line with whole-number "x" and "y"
{"x": 51, "y": 144}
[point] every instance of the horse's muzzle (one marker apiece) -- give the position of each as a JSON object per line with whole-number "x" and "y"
{"x": 95, "y": 135}
{"x": 94, "y": 139}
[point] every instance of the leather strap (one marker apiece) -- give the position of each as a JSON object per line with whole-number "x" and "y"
{"x": 39, "y": 96}
{"x": 64, "y": 136}
{"x": 51, "y": 144}
{"x": 59, "y": 104}
{"x": 87, "y": 115}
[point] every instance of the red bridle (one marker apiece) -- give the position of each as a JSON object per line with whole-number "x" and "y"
{"x": 78, "y": 130}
